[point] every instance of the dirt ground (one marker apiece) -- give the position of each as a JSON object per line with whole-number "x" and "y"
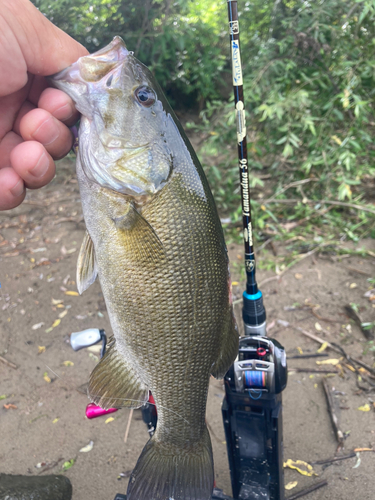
{"x": 42, "y": 410}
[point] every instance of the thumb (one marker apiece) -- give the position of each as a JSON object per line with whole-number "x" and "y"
{"x": 31, "y": 43}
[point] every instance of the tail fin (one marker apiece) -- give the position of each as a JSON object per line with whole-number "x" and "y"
{"x": 165, "y": 472}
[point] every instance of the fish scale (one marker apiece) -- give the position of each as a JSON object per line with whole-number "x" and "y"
{"x": 155, "y": 241}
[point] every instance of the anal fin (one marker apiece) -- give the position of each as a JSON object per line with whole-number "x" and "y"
{"x": 86, "y": 266}
{"x": 114, "y": 384}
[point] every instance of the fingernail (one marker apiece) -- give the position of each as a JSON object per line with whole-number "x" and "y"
{"x": 18, "y": 189}
{"x": 64, "y": 113}
{"x": 47, "y": 132}
{"x": 41, "y": 167}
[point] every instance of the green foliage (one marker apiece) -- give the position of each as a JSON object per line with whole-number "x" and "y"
{"x": 309, "y": 73}
{"x": 182, "y": 42}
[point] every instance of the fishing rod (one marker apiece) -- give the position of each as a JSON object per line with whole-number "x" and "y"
{"x": 252, "y": 407}
{"x": 253, "y": 312}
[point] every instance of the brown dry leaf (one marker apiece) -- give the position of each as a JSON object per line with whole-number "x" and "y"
{"x": 298, "y": 276}
{"x": 9, "y": 406}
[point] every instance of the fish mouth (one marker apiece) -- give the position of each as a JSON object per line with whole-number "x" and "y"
{"x": 93, "y": 67}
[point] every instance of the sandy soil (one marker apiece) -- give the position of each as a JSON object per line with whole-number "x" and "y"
{"x": 39, "y": 244}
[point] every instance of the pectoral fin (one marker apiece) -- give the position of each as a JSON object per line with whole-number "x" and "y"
{"x": 139, "y": 237}
{"x": 114, "y": 384}
{"x": 86, "y": 267}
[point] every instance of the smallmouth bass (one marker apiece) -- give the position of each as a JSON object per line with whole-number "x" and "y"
{"x": 155, "y": 241}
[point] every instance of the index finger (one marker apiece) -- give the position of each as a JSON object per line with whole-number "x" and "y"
{"x": 30, "y": 42}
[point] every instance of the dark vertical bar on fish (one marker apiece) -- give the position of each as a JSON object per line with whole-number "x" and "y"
{"x": 253, "y": 312}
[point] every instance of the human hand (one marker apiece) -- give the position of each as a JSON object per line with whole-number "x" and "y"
{"x": 34, "y": 118}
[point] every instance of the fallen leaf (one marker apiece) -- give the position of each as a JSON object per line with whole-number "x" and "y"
{"x": 9, "y": 406}
{"x": 64, "y": 313}
{"x": 318, "y": 328}
{"x": 70, "y": 292}
{"x": 68, "y": 363}
{"x": 56, "y": 323}
{"x": 37, "y": 326}
{"x": 87, "y": 448}
{"x": 92, "y": 356}
{"x": 3, "y": 396}
{"x": 333, "y": 362}
{"x": 300, "y": 350}
{"x": 41, "y": 349}
{"x": 298, "y": 276}
{"x": 358, "y": 463}
{"x": 353, "y": 285}
{"x": 60, "y": 306}
{"x": 110, "y": 419}
{"x": 291, "y": 485}
{"x": 54, "y": 421}
{"x": 56, "y": 302}
{"x": 323, "y": 347}
{"x": 95, "y": 348}
{"x": 46, "y": 377}
{"x": 235, "y": 283}
{"x": 365, "y": 407}
{"x": 293, "y": 464}
{"x": 68, "y": 464}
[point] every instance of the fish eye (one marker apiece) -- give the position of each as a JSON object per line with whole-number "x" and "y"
{"x": 145, "y": 96}
{"x": 109, "y": 81}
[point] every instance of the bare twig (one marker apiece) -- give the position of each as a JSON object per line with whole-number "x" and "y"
{"x": 320, "y": 202}
{"x": 314, "y": 355}
{"x": 311, "y": 370}
{"x": 358, "y": 320}
{"x": 308, "y": 490}
{"x": 288, "y": 186}
{"x": 299, "y": 258}
{"x": 128, "y": 425}
{"x": 332, "y": 413}
{"x": 334, "y": 459}
{"x": 334, "y": 347}
{"x": 8, "y": 363}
